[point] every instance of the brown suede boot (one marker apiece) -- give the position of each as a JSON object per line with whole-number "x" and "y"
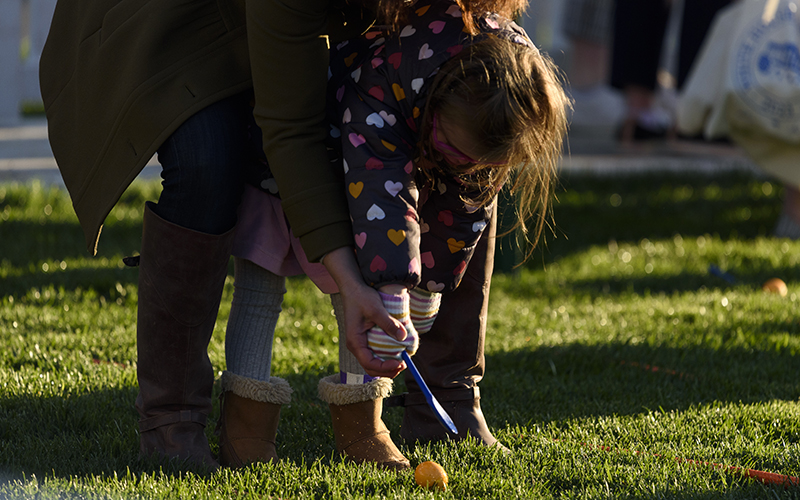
{"x": 249, "y": 422}
{"x": 361, "y": 435}
{"x": 450, "y": 357}
{"x": 181, "y": 275}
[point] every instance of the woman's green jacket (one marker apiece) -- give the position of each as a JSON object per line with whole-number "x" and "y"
{"x": 119, "y": 76}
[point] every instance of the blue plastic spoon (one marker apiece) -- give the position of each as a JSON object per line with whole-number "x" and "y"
{"x": 442, "y": 415}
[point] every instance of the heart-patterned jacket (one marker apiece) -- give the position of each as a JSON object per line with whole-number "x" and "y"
{"x": 408, "y": 228}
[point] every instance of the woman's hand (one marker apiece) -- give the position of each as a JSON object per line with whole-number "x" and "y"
{"x": 363, "y": 309}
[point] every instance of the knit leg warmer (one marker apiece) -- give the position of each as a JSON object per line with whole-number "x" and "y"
{"x": 255, "y": 309}
{"x": 424, "y": 308}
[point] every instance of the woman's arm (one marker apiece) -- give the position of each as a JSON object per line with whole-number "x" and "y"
{"x": 363, "y": 310}
{"x": 289, "y": 64}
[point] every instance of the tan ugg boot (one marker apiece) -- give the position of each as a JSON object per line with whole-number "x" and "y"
{"x": 249, "y": 419}
{"x": 361, "y": 435}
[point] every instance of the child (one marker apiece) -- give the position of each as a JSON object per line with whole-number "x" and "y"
{"x": 430, "y": 122}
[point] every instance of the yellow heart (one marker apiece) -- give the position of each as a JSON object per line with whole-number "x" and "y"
{"x": 388, "y": 145}
{"x": 422, "y": 10}
{"x": 399, "y": 93}
{"x": 397, "y": 237}
{"x": 349, "y": 59}
{"x": 355, "y": 188}
{"x": 454, "y": 245}
{"x": 415, "y": 112}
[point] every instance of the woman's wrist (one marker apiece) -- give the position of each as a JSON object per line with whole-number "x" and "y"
{"x": 342, "y": 266}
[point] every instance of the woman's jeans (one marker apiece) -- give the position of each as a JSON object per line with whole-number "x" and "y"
{"x": 205, "y": 163}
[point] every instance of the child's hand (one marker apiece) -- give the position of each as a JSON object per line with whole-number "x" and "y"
{"x": 396, "y": 300}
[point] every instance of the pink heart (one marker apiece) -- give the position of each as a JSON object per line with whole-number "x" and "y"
{"x": 372, "y": 34}
{"x": 374, "y": 164}
{"x": 409, "y": 167}
{"x": 395, "y": 59}
{"x": 454, "y": 11}
{"x": 377, "y": 61}
{"x": 428, "y": 260}
{"x": 376, "y": 92}
{"x": 436, "y": 26}
{"x": 460, "y": 268}
{"x": 340, "y": 93}
{"x": 455, "y": 49}
{"x": 356, "y": 139}
{"x": 379, "y": 49}
{"x": 413, "y": 266}
{"x": 361, "y": 239}
{"x": 378, "y": 264}
{"x": 446, "y": 217}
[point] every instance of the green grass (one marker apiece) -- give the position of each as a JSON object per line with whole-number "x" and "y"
{"x": 613, "y": 335}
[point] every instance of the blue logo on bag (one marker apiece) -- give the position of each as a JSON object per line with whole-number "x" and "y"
{"x": 780, "y": 60}
{"x": 767, "y": 70}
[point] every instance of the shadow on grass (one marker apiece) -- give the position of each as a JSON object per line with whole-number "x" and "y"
{"x": 95, "y": 433}
{"x": 25, "y": 242}
{"x": 591, "y": 210}
{"x": 748, "y": 281}
{"x": 575, "y": 381}
{"x": 101, "y": 280}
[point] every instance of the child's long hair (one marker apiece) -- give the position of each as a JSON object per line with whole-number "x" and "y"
{"x": 509, "y": 98}
{"x": 395, "y": 12}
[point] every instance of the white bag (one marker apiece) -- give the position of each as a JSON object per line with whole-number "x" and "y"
{"x": 745, "y": 84}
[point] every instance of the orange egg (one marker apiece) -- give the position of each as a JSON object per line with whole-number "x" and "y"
{"x": 775, "y": 285}
{"x": 429, "y": 474}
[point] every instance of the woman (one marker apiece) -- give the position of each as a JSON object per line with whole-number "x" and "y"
{"x": 124, "y": 80}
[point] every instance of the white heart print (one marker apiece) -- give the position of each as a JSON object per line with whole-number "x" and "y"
{"x": 375, "y": 120}
{"x": 390, "y": 119}
{"x": 425, "y": 52}
{"x": 375, "y": 212}
{"x": 270, "y": 185}
{"x": 407, "y": 31}
{"x": 393, "y": 187}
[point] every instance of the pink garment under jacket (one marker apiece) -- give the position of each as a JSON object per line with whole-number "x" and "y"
{"x": 263, "y": 236}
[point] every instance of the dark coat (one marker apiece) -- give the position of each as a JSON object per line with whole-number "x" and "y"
{"x": 119, "y": 76}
